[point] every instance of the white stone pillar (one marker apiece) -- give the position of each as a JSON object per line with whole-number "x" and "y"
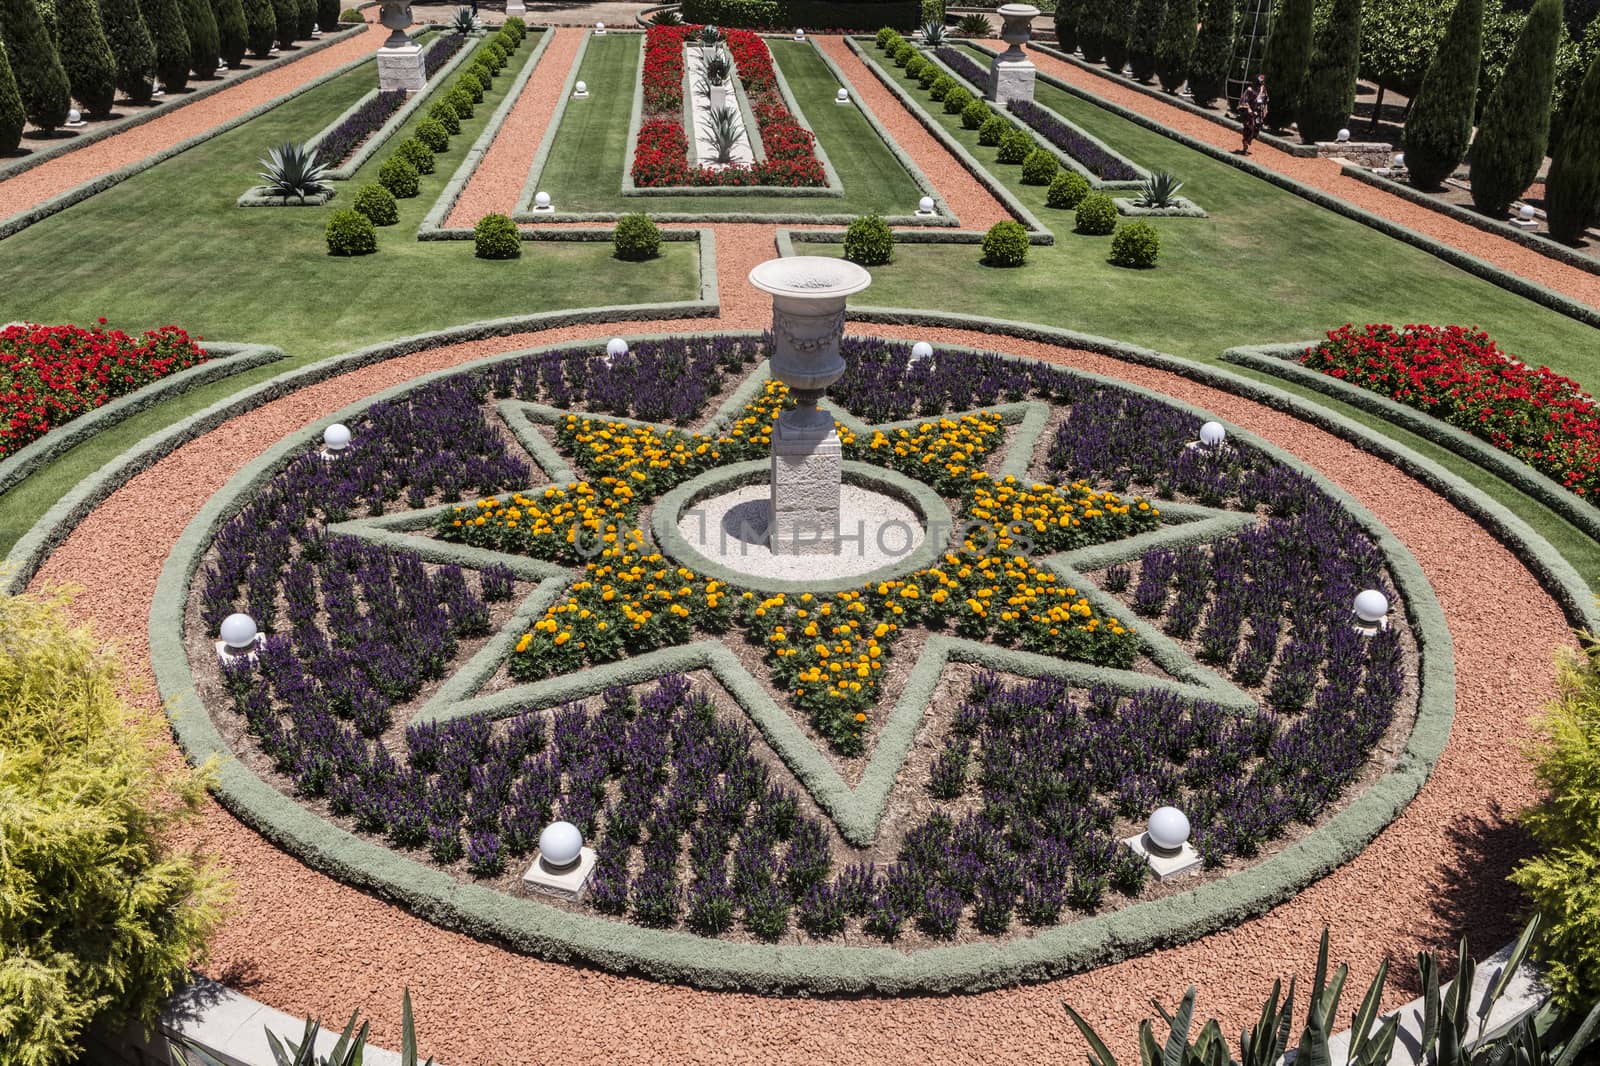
{"x": 516, "y": 7}
{"x": 400, "y": 58}
{"x": 1011, "y": 73}
{"x": 808, "y": 309}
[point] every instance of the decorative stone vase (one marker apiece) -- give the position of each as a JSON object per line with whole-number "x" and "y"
{"x": 1011, "y": 72}
{"x": 808, "y": 311}
{"x": 400, "y": 59}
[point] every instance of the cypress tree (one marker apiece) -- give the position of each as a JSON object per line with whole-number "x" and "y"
{"x": 233, "y": 33}
{"x": 327, "y": 15}
{"x": 12, "y": 117}
{"x": 1177, "y": 44}
{"x": 1213, "y": 50}
{"x": 1288, "y": 57}
{"x": 1516, "y": 123}
{"x": 205, "y": 46}
{"x": 306, "y": 20}
{"x": 86, "y": 55}
{"x": 1148, "y": 18}
{"x": 1118, "y": 33}
{"x": 286, "y": 14}
{"x": 261, "y": 25}
{"x": 130, "y": 42}
{"x": 1066, "y": 21}
{"x": 1440, "y": 122}
{"x": 46, "y": 95}
{"x": 171, "y": 41}
{"x": 1330, "y": 95}
{"x": 1092, "y": 29}
{"x": 1572, "y": 192}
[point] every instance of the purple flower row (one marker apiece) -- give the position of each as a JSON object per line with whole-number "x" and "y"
{"x": 963, "y": 64}
{"x": 338, "y": 143}
{"x": 1100, "y": 162}
{"x": 440, "y": 51}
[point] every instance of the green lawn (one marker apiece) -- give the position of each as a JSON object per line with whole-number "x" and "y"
{"x": 589, "y": 155}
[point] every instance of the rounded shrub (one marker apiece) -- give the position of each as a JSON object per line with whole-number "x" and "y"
{"x": 915, "y": 66}
{"x": 941, "y": 87}
{"x": 517, "y": 25}
{"x": 1067, "y": 189}
{"x": 460, "y": 99}
{"x": 1006, "y": 244}
{"x": 636, "y": 238}
{"x": 869, "y": 241}
{"x": 399, "y": 177}
{"x": 956, "y": 100}
{"x": 975, "y": 114}
{"x": 482, "y": 69}
{"x": 470, "y": 84}
{"x": 1039, "y": 168}
{"x": 351, "y": 233}
{"x": 433, "y": 135}
{"x": 1135, "y": 244}
{"x": 496, "y": 237}
{"x": 507, "y": 41}
{"x": 1014, "y": 146}
{"x": 444, "y": 113}
{"x": 378, "y": 204}
{"x": 350, "y": 14}
{"x": 994, "y": 127}
{"x": 886, "y": 37}
{"x": 903, "y": 54}
{"x": 495, "y": 54}
{"x": 1097, "y": 215}
{"x": 417, "y": 154}
{"x": 928, "y": 75}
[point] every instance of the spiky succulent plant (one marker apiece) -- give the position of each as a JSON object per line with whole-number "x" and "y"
{"x": 1160, "y": 189}
{"x": 292, "y": 170}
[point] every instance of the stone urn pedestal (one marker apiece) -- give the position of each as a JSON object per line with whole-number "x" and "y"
{"x": 516, "y": 7}
{"x": 400, "y": 58}
{"x": 808, "y": 310}
{"x": 1011, "y": 73}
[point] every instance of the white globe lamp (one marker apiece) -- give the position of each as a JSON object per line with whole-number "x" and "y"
{"x": 799, "y": 34}
{"x": 1212, "y": 434}
{"x": 925, "y": 206}
{"x": 1399, "y": 159}
{"x": 1526, "y": 213}
{"x": 560, "y": 845}
{"x": 74, "y": 117}
{"x": 1371, "y": 606}
{"x": 842, "y": 96}
{"x": 600, "y": 27}
{"x": 580, "y": 90}
{"x": 920, "y": 351}
{"x": 615, "y": 348}
{"x": 1343, "y": 136}
{"x": 336, "y": 438}
{"x": 541, "y": 202}
{"x": 1168, "y": 829}
{"x": 238, "y": 632}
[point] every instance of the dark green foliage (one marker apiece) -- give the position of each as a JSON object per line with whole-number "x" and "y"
{"x": 327, "y": 15}
{"x": 1117, "y": 36}
{"x": 233, "y": 32}
{"x": 417, "y": 154}
{"x": 171, "y": 40}
{"x": 1006, "y": 244}
{"x": 1572, "y": 60}
{"x": 1516, "y": 123}
{"x": 1092, "y": 29}
{"x": 1097, "y": 215}
{"x": 305, "y": 19}
{"x": 205, "y": 45}
{"x": 350, "y": 232}
{"x": 1148, "y": 18}
{"x": 636, "y": 238}
{"x": 1399, "y": 39}
{"x": 941, "y": 86}
{"x": 1330, "y": 94}
{"x": 261, "y": 26}
{"x": 378, "y": 204}
{"x": 956, "y": 100}
{"x": 885, "y": 37}
{"x": 975, "y": 114}
{"x": 929, "y": 74}
{"x": 1572, "y": 193}
{"x": 1288, "y": 58}
{"x": 496, "y": 237}
{"x": 1067, "y": 190}
{"x": 975, "y": 25}
{"x": 1177, "y": 43}
{"x": 1066, "y": 24}
{"x": 443, "y": 112}
{"x": 869, "y": 241}
{"x": 132, "y": 47}
{"x": 1135, "y": 244}
{"x": 1039, "y": 168}
{"x": 46, "y": 96}
{"x": 472, "y": 85}
{"x": 286, "y": 16}
{"x": 460, "y": 98}
{"x": 1440, "y": 123}
{"x": 399, "y": 177}
{"x": 994, "y": 127}
{"x": 903, "y": 53}
{"x": 1213, "y": 50}
{"x": 12, "y": 116}
{"x": 86, "y": 55}
{"x": 351, "y": 15}
{"x": 1014, "y": 146}
{"x": 433, "y": 135}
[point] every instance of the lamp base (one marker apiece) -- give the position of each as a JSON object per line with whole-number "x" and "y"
{"x": 565, "y": 883}
{"x": 1166, "y": 864}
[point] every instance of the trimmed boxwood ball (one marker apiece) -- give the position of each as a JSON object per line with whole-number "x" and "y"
{"x": 915, "y": 66}
{"x": 993, "y": 128}
{"x": 399, "y": 177}
{"x": 1067, "y": 189}
{"x": 483, "y": 70}
{"x": 1006, "y": 244}
{"x": 942, "y": 84}
{"x": 1135, "y": 244}
{"x": 903, "y": 54}
{"x": 1014, "y": 146}
{"x": 1039, "y": 168}
{"x": 496, "y": 237}
{"x": 886, "y": 36}
{"x": 1097, "y": 215}
{"x": 350, "y": 14}
{"x": 351, "y": 233}
{"x": 470, "y": 84}
{"x": 515, "y": 24}
{"x": 956, "y": 101}
{"x": 928, "y": 75}
{"x": 869, "y": 241}
{"x": 495, "y": 53}
{"x": 417, "y": 154}
{"x": 975, "y": 114}
{"x": 432, "y": 134}
{"x": 460, "y": 99}
{"x": 636, "y": 238}
{"x": 378, "y": 204}
{"x": 444, "y": 113}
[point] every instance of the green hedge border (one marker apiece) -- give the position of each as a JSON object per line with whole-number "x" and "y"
{"x": 529, "y": 926}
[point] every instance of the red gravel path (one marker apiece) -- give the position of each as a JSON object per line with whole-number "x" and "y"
{"x": 306, "y": 944}
{"x": 72, "y": 169}
{"x": 1324, "y": 174}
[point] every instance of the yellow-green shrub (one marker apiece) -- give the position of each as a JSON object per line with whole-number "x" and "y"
{"x": 99, "y": 918}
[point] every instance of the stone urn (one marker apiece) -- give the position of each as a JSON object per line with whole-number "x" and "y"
{"x": 396, "y": 15}
{"x": 808, "y": 311}
{"x": 1011, "y": 72}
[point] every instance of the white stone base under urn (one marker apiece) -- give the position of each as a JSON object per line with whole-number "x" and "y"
{"x": 1011, "y": 72}
{"x": 401, "y": 68}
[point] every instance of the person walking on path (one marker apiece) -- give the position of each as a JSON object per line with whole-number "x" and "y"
{"x": 1253, "y": 110}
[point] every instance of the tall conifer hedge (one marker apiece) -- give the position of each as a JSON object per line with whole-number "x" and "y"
{"x": 1572, "y": 193}
{"x": 1287, "y": 60}
{"x": 130, "y": 42}
{"x": 233, "y": 32}
{"x": 86, "y": 54}
{"x": 1516, "y": 121}
{"x": 1177, "y": 43}
{"x": 1330, "y": 95}
{"x": 1439, "y": 126}
{"x": 12, "y": 117}
{"x": 41, "y": 80}
{"x": 1213, "y": 50}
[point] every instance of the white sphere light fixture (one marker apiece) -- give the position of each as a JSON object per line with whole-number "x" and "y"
{"x": 920, "y": 351}
{"x": 1212, "y": 434}
{"x": 1371, "y": 606}
{"x": 580, "y": 89}
{"x": 1399, "y": 159}
{"x": 1168, "y": 829}
{"x": 560, "y": 845}
{"x": 925, "y": 205}
{"x": 74, "y": 117}
{"x": 615, "y": 347}
{"x": 1343, "y": 136}
{"x": 541, "y": 201}
{"x": 1526, "y": 213}
{"x": 799, "y": 34}
{"x": 336, "y": 438}
{"x": 238, "y": 631}
{"x": 842, "y": 96}
{"x": 599, "y": 27}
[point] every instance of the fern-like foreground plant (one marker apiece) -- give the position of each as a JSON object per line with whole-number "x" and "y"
{"x": 1160, "y": 189}
{"x": 348, "y": 1050}
{"x": 292, "y": 170}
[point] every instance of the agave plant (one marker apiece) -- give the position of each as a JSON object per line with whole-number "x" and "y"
{"x": 347, "y": 1051}
{"x": 667, "y": 16}
{"x": 464, "y": 21}
{"x": 933, "y": 33}
{"x": 717, "y": 67}
{"x": 1160, "y": 189}
{"x": 293, "y": 170}
{"x": 974, "y": 25}
{"x": 710, "y": 35}
{"x": 727, "y": 131}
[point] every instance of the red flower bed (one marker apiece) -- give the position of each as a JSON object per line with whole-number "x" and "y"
{"x": 53, "y": 374}
{"x": 1460, "y": 376}
{"x": 661, "y": 157}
